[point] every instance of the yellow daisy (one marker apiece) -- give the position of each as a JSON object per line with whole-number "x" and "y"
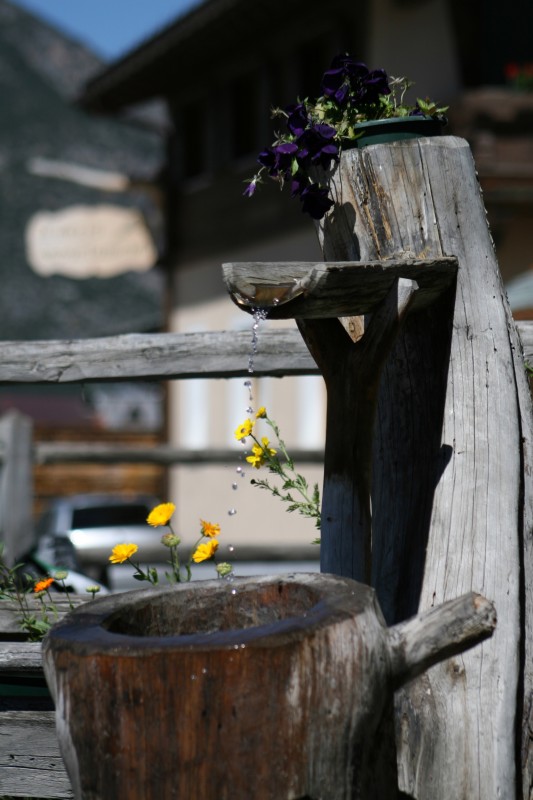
{"x": 161, "y": 514}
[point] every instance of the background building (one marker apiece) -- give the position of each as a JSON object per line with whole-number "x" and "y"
{"x": 80, "y": 240}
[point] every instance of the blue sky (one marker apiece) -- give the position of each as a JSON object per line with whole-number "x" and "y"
{"x": 108, "y": 27}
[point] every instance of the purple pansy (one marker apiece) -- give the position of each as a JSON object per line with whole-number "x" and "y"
{"x": 351, "y": 82}
{"x": 315, "y": 200}
{"x": 278, "y": 158}
{"x": 316, "y": 146}
{"x": 250, "y": 189}
{"x": 297, "y": 118}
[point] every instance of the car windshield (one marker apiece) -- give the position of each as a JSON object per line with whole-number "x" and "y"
{"x": 107, "y": 516}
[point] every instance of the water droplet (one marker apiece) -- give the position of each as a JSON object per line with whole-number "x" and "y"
{"x": 232, "y": 512}
{"x": 249, "y": 410}
{"x": 234, "y": 486}
{"x": 231, "y": 549}
{"x": 276, "y": 301}
{"x": 238, "y": 470}
{"x": 204, "y": 670}
{"x": 193, "y": 677}
{"x": 243, "y": 473}
{"x": 247, "y": 384}
{"x": 234, "y": 591}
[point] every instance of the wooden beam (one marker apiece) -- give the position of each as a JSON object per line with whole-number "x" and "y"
{"x": 163, "y": 356}
{"x": 168, "y": 356}
{"x": 311, "y": 290}
{"x": 96, "y": 453}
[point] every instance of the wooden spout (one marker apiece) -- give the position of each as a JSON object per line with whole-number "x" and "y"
{"x": 451, "y": 628}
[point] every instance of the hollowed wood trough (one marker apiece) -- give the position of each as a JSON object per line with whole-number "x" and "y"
{"x": 266, "y": 688}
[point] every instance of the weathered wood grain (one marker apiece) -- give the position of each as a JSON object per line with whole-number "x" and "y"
{"x": 352, "y": 372}
{"x": 311, "y": 290}
{"x": 30, "y": 761}
{"x": 16, "y": 485}
{"x": 161, "y": 356}
{"x": 451, "y": 501}
{"x": 20, "y": 657}
{"x": 164, "y": 356}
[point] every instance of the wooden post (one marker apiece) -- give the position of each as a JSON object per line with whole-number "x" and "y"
{"x": 451, "y": 461}
{"x": 451, "y": 489}
{"x": 16, "y": 485}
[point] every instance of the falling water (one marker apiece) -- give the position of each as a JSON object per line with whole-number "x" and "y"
{"x": 259, "y": 315}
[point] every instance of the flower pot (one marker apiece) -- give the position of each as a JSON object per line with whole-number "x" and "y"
{"x": 268, "y": 688}
{"x": 380, "y": 131}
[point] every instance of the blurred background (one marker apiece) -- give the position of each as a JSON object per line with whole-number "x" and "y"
{"x": 127, "y": 131}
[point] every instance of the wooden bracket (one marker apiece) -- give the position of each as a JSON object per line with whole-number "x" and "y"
{"x": 352, "y": 371}
{"x": 307, "y": 289}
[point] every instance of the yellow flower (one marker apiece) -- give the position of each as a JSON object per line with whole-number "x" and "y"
{"x": 256, "y": 460}
{"x": 161, "y": 514}
{"x": 266, "y": 449}
{"x": 244, "y": 430}
{"x": 261, "y": 413}
{"x": 205, "y": 551}
{"x": 260, "y": 453}
{"x": 41, "y": 586}
{"x": 121, "y": 553}
{"x": 209, "y": 529}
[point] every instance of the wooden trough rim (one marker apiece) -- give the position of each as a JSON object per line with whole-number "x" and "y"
{"x": 311, "y": 289}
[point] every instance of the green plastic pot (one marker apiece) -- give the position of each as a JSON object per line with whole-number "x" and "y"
{"x": 379, "y": 131}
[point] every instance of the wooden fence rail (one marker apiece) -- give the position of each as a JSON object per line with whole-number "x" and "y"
{"x": 168, "y": 356}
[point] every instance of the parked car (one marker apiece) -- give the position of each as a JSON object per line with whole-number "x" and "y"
{"x": 94, "y": 524}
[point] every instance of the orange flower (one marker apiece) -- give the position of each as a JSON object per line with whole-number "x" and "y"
{"x": 209, "y": 529}
{"x": 42, "y": 586}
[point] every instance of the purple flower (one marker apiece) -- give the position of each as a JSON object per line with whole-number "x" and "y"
{"x": 342, "y": 77}
{"x": 278, "y": 158}
{"x": 316, "y": 146}
{"x": 350, "y": 81}
{"x": 267, "y": 159}
{"x": 297, "y": 119}
{"x": 315, "y": 201}
{"x": 372, "y": 85}
{"x": 250, "y": 189}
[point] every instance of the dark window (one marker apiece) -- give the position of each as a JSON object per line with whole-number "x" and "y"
{"x": 108, "y": 516}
